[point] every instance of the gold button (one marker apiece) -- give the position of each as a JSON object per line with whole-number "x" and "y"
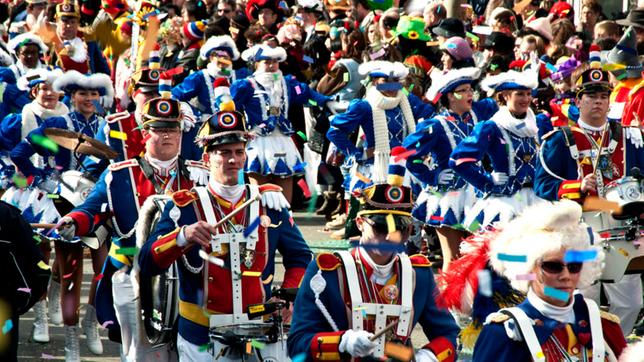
{"x": 209, "y": 279}
{"x": 574, "y": 350}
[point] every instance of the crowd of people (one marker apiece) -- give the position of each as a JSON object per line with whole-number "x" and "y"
{"x": 172, "y": 141}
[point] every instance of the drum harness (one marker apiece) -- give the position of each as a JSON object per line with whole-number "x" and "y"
{"x": 381, "y": 312}
{"x": 234, "y": 241}
{"x": 616, "y": 134}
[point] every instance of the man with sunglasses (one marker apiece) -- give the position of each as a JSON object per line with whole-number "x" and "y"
{"x": 224, "y": 270}
{"x": 347, "y": 296}
{"x": 547, "y": 254}
{"x": 118, "y": 195}
{"x": 576, "y": 162}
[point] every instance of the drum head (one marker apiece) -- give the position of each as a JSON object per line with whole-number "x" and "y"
{"x": 233, "y": 335}
{"x": 159, "y": 305}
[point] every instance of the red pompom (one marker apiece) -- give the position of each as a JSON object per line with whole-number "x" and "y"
{"x": 221, "y": 82}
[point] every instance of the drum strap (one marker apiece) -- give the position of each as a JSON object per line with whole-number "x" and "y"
{"x": 596, "y": 330}
{"x": 527, "y": 332}
{"x": 570, "y": 142}
{"x": 380, "y": 311}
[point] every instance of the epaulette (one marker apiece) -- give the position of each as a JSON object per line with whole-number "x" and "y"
{"x": 547, "y": 135}
{"x": 328, "y": 261}
{"x": 123, "y": 164}
{"x": 182, "y": 198}
{"x": 115, "y": 117}
{"x": 497, "y": 318}
{"x": 198, "y": 164}
{"x": 419, "y": 260}
{"x": 269, "y": 188}
{"x": 577, "y": 129}
{"x": 609, "y": 316}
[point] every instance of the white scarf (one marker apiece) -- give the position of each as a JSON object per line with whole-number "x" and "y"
{"x": 561, "y": 314}
{"x": 20, "y": 69}
{"x": 526, "y": 127}
{"x": 162, "y": 168}
{"x": 33, "y": 109}
{"x": 230, "y": 193}
{"x": 272, "y": 83}
{"x": 588, "y": 127}
{"x": 379, "y": 103}
{"x": 215, "y": 72}
{"x": 381, "y": 273}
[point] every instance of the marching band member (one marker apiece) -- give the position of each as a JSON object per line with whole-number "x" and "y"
{"x": 28, "y": 49}
{"x": 219, "y": 52}
{"x": 554, "y": 323}
{"x": 265, "y": 98}
{"x": 445, "y": 197}
{"x": 119, "y": 194}
{"x": 347, "y": 296}
{"x": 212, "y": 295}
{"x": 84, "y": 91}
{"x": 575, "y": 162}
{"x": 69, "y": 49}
{"x": 509, "y": 139}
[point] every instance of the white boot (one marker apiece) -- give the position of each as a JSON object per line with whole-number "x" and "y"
{"x": 55, "y": 311}
{"x": 90, "y": 329}
{"x": 41, "y": 329}
{"x": 72, "y": 347}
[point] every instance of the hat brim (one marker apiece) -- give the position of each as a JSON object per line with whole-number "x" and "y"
{"x": 446, "y": 33}
{"x": 225, "y": 139}
{"x": 594, "y": 88}
{"x": 162, "y": 124}
{"x": 629, "y": 22}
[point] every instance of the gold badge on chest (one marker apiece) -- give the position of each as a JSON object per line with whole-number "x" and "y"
{"x": 390, "y": 293}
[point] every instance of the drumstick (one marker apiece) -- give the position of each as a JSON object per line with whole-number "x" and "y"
{"x": 384, "y": 330}
{"x": 42, "y": 226}
{"x": 601, "y": 146}
{"x": 237, "y": 210}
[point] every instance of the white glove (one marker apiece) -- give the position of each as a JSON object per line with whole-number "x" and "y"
{"x": 499, "y": 178}
{"x": 446, "y": 176}
{"x": 357, "y": 343}
{"x": 275, "y": 201}
{"x": 635, "y": 135}
{"x": 67, "y": 228}
{"x": 425, "y": 355}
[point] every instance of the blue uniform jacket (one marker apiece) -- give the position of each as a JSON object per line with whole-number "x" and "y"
{"x": 493, "y": 344}
{"x": 487, "y": 139}
{"x": 359, "y": 115}
{"x": 431, "y": 139}
{"x": 285, "y": 238}
{"x": 557, "y": 158}
{"x": 195, "y": 86}
{"x": 21, "y": 154}
{"x": 309, "y": 321}
{"x": 246, "y": 100}
{"x": 13, "y": 99}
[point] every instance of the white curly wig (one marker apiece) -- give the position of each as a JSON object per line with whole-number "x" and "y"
{"x": 541, "y": 229}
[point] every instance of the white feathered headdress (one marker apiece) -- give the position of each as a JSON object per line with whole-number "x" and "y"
{"x": 25, "y": 39}
{"x": 37, "y": 76}
{"x": 448, "y": 82}
{"x": 263, "y": 52}
{"x": 221, "y": 42}
{"x": 73, "y": 80}
{"x": 511, "y": 80}
{"x": 381, "y": 68}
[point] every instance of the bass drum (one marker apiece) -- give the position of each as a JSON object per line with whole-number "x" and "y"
{"x": 159, "y": 294}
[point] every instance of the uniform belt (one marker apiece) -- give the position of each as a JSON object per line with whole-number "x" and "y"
{"x": 194, "y": 313}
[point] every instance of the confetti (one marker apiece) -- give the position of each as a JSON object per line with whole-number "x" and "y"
{"x": 377, "y": 54}
{"x": 436, "y": 218}
{"x": 25, "y": 290}
{"x": 623, "y": 252}
{"x": 211, "y": 259}
{"x": 46, "y": 356}
{"x": 118, "y": 135}
{"x": 472, "y": 36}
{"x": 457, "y": 96}
{"x": 556, "y": 293}
{"x": 8, "y": 325}
{"x": 204, "y": 347}
{"x": 257, "y": 344}
{"x": 106, "y": 323}
{"x": 302, "y": 136}
{"x": 580, "y": 255}
{"x": 53, "y": 196}
{"x": 312, "y": 203}
{"x": 127, "y": 251}
{"x": 308, "y": 59}
{"x": 19, "y": 181}
{"x": 404, "y": 155}
{"x": 345, "y": 77}
{"x": 249, "y": 348}
{"x": 313, "y": 103}
{"x": 67, "y": 276}
{"x": 529, "y": 276}
{"x": 44, "y": 142}
{"x": 305, "y": 188}
{"x": 298, "y": 90}
{"x": 466, "y": 159}
{"x": 43, "y": 266}
{"x": 98, "y": 277}
{"x": 71, "y": 285}
{"x": 417, "y": 161}
{"x": 512, "y": 258}
{"x": 249, "y": 273}
{"x": 38, "y": 239}
{"x": 485, "y": 282}
{"x": 251, "y": 227}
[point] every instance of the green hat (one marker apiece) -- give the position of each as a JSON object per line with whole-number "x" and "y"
{"x": 412, "y": 28}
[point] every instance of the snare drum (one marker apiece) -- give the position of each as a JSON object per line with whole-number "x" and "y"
{"x": 628, "y": 193}
{"x": 230, "y": 342}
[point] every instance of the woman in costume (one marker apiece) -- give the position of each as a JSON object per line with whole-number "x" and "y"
{"x": 445, "y": 196}
{"x": 84, "y": 92}
{"x": 509, "y": 140}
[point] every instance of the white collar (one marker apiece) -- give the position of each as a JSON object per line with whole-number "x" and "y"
{"x": 526, "y": 127}
{"x": 229, "y": 193}
{"x": 562, "y": 314}
{"x": 588, "y": 127}
{"x": 163, "y": 168}
{"x": 381, "y": 273}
